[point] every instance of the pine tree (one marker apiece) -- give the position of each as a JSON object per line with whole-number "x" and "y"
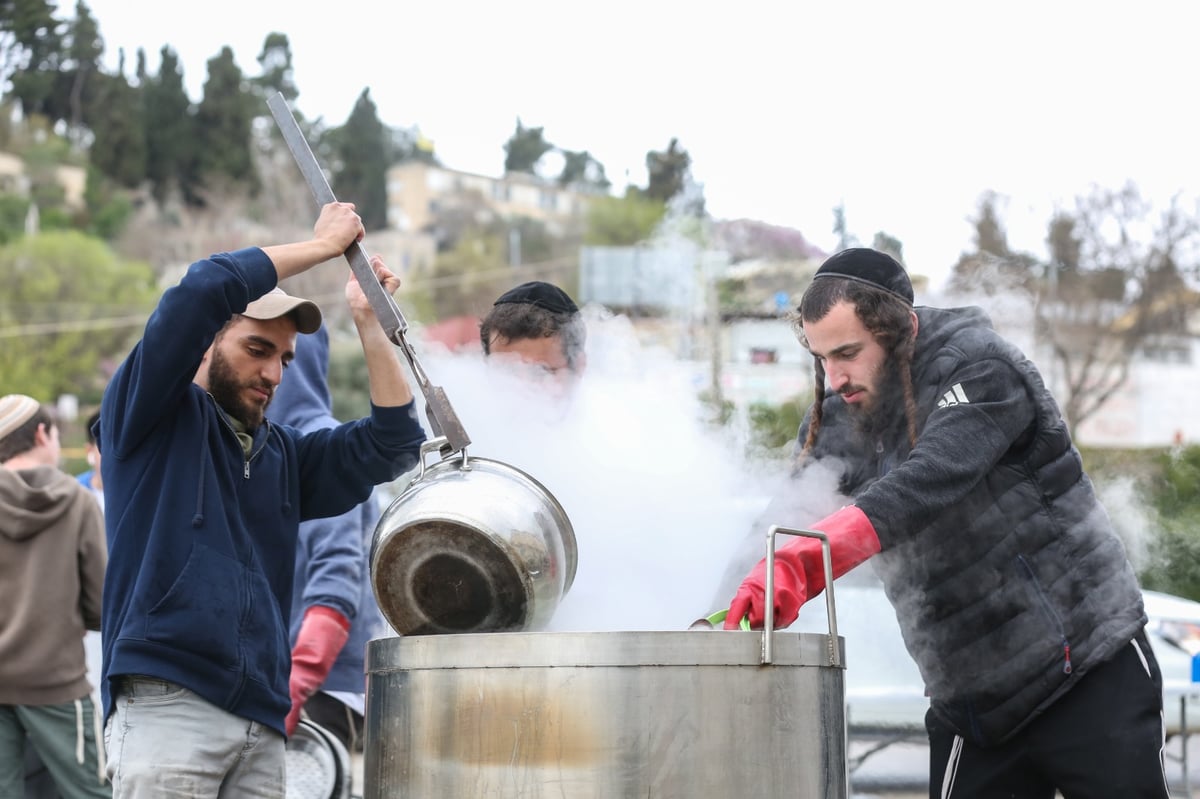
{"x": 168, "y": 129}
{"x": 224, "y": 120}
{"x": 363, "y": 153}
{"x": 119, "y": 144}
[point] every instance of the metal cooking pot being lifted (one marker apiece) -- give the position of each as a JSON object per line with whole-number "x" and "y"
{"x": 472, "y": 545}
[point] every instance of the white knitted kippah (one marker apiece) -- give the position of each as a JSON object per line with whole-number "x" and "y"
{"x": 16, "y": 410}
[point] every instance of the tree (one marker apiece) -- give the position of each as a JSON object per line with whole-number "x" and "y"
{"x": 889, "y": 244}
{"x": 84, "y": 47}
{"x": 1107, "y": 292}
{"x": 32, "y": 45}
{"x": 43, "y": 156}
{"x": 169, "y": 129}
{"x": 119, "y": 140}
{"x": 108, "y": 209}
{"x": 840, "y": 229}
{"x": 992, "y": 268}
{"x": 581, "y": 169}
{"x": 275, "y": 59}
{"x": 990, "y": 236}
{"x": 524, "y": 149}
{"x": 668, "y": 171}
{"x": 1112, "y": 286}
{"x": 773, "y": 427}
{"x": 70, "y": 310}
{"x": 223, "y": 126}
{"x": 622, "y": 221}
{"x": 362, "y": 154}
{"x": 469, "y": 277}
{"x": 1174, "y": 564}
{"x": 13, "y": 210}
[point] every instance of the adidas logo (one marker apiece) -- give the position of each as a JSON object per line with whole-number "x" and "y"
{"x": 955, "y": 396}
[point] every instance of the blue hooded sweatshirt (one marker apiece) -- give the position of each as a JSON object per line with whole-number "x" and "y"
{"x": 333, "y": 558}
{"x": 202, "y": 537}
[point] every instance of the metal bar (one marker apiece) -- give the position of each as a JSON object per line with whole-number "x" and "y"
{"x": 1183, "y": 745}
{"x": 442, "y": 418}
{"x": 386, "y": 310}
{"x": 835, "y": 658}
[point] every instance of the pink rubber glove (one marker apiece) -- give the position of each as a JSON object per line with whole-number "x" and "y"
{"x": 323, "y": 633}
{"x": 799, "y": 573}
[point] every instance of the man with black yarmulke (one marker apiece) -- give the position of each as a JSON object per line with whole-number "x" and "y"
{"x": 1013, "y": 592}
{"x": 538, "y": 324}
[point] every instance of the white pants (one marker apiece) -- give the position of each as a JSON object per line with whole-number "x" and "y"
{"x": 165, "y": 741}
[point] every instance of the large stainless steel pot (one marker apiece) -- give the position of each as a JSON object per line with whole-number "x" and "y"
{"x": 693, "y": 715}
{"x": 604, "y": 715}
{"x": 472, "y": 545}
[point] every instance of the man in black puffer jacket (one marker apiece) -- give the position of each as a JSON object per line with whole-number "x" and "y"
{"x": 1013, "y": 592}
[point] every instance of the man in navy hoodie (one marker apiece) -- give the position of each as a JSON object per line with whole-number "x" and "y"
{"x": 204, "y": 499}
{"x": 332, "y": 581}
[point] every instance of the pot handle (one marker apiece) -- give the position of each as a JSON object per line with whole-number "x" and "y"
{"x": 835, "y": 658}
{"x": 436, "y": 445}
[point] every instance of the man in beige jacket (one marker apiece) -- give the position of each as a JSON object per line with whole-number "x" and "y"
{"x": 52, "y": 560}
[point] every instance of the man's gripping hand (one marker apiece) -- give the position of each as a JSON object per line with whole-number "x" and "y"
{"x": 799, "y": 571}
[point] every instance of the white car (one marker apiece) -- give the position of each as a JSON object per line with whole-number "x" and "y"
{"x": 1174, "y": 632}
{"x": 885, "y": 695}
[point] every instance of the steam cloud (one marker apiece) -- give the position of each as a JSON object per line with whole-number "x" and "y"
{"x": 662, "y": 503}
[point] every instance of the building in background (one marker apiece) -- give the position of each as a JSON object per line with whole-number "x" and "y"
{"x": 15, "y": 179}
{"x": 421, "y": 194}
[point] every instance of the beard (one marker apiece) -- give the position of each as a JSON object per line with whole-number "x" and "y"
{"x": 228, "y": 392}
{"x": 884, "y": 414}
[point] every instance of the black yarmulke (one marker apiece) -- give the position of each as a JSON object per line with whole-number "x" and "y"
{"x": 543, "y": 295}
{"x": 872, "y": 267}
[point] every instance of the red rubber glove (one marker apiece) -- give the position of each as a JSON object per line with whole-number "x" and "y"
{"x": 799, "y": 573}
{"x": 323, "y": 633}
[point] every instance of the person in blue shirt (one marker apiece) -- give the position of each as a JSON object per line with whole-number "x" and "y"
{"x": 92, "y": 479}
{"x": 204, "y": 499}
{"x": 334, "y": 612}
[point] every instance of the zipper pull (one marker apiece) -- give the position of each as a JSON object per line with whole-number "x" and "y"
{"x": 246, "y": 471}
{"x": 1066, "y": 658}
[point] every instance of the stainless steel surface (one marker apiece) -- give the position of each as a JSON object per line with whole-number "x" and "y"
{"x": 442, "y": 418}
{"x": 603, "y": 715}
{"x": 472, "y": 545}
{"x": 769, "y": 590}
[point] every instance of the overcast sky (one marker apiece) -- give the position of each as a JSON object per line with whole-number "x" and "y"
{"x": 904, "y": 112}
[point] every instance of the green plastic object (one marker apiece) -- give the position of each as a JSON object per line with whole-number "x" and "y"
{"x": 718, "y": 619}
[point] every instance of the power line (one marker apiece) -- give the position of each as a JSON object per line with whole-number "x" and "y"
{"x": 115, "y": 323}
{"x": 71, "y": 326}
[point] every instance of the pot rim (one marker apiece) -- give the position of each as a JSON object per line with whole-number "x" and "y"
{"x": 506, "y": 650}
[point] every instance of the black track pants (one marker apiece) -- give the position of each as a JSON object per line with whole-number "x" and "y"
{"x": 1102, "y": 740}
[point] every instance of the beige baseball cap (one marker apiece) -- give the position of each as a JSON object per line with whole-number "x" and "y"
{"x": 277, "y": 302}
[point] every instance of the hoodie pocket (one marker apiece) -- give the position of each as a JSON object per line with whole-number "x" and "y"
{"x": 265, "y": 637}
{"x": 201, "y": 611}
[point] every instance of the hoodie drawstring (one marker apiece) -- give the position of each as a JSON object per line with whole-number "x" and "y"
{"x": 287, "y": 499}
{"x": 198, "y": 517}
{"x": 97, "y": 734}
{"x": 79, "y": 740}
